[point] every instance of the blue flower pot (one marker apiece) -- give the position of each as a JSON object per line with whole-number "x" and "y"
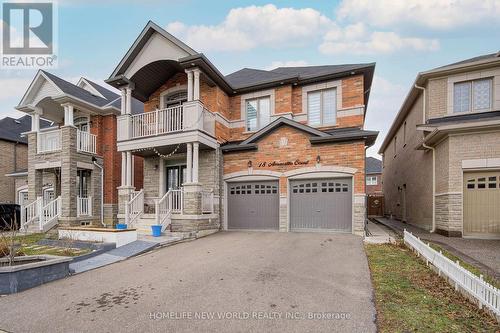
{"x": 121, "y": 226}
{"x": 156, "y": 230}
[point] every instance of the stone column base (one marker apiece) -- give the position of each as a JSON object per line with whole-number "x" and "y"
{"x": 194, "y": 223}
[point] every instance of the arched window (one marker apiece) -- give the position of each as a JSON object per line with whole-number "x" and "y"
{"x": 174, "y": 99}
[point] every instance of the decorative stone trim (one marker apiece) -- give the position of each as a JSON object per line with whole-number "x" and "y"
{"x": 252, "y": 173}
{"x": 311, "y": 171}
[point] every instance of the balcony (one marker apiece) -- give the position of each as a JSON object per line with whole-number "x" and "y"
{"x": 86, "y": 142}
{"x": 143, "y": 130}
{"x": 49, "y": 141}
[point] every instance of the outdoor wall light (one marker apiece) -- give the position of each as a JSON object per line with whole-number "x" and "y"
{"x": 156, "y": 167}
{"x": 318, "y": 159}
{"x": 249, "y": 164}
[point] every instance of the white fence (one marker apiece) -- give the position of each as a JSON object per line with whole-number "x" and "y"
{"x": 49, "y": 141}
{"x": 483, "y": 292}
{"x": 84, "y": 206}
{"x": 86, "y": 142}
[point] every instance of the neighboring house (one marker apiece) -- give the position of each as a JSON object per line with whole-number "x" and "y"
{"x": 14, "y": 158}
{"x": 373, "y": 176}
{"x": 278, "y": 150}
{"x": 71, "y": 154}
{"x": 441, "y": 157}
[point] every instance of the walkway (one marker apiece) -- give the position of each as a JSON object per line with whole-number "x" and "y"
{"x": 482, "y": 253}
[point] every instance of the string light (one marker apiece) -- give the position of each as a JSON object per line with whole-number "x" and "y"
{"x": 157, "y": 152}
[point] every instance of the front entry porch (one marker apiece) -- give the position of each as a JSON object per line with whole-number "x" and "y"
{"x": 180, "y": 192}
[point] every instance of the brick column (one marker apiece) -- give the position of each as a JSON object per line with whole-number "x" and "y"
{"x": 68, "y": 174}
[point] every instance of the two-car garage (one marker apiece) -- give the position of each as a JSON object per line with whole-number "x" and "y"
{"x": 313, "y": 205}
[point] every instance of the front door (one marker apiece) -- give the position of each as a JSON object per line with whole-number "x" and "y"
{"x": 176, "y": 176}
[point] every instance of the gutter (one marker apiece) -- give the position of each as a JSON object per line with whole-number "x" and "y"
{"x": 94, "y": 160}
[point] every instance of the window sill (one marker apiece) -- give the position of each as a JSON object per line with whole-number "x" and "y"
{"x": 454, "y": 114}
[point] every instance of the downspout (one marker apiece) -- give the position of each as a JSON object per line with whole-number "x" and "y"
{"x": 94, "y": 160}
{"x": 433, "y": 228}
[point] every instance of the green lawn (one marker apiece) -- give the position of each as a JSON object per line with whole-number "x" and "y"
{"x": 29, "y": 247}
{"x": 412, "y": 298}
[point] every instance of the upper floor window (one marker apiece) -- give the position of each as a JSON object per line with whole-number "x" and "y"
{"x": 258, "y": 113}
{"x": 322, "y": 107}
{"x": 371, "y": 180}
{"x": 174, "y": 99}
{"x": 472, "y": 95}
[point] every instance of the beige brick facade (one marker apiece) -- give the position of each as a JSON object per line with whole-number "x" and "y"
{"x": 407, "y": 172}
{"x": 14, "y": 157}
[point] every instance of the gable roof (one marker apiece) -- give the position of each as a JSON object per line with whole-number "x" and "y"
{"x": 373, "y": 165}
{"x": 11, "y": 129}
{"x": 139, "y": 43}
{"x": 76, "y": 91}
{"x": 278, "y": 123}
{"x": 316, "y": 136}
{"x": 106, "y": 99}
{"x": 475, "y": 63}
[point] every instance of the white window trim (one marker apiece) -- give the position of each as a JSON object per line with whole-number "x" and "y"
{"x": 494, "y": 75}
{"x": 372, "y": 183}
{"x": 322, "y": 86}
{"x": 169, "y": 91}
{"x": 255, "y": 95}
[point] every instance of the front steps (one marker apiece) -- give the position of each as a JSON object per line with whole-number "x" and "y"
{"x": 143, "y": 224}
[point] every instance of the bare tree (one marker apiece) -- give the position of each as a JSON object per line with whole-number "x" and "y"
{"x": 8, "y": 243}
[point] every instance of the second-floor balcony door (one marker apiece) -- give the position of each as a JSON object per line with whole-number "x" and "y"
{"x": 174, "y": 99}
{"x": 176, "y": 176}
{"x": 82, "y": 123}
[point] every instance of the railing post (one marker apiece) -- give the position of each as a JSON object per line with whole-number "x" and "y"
{"x": 40, "y": 212}
{"x": 157, "y": 211}
{"x": 157, "y": 122}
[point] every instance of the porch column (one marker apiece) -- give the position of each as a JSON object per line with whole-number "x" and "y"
{"x": 196, "y": 148}
{"x": 68, "y": 115}
{"x": 162, "y": 185}
{"x": 189, "y": 85}
{"x": 124, "y": 169}
{"x": 129, "y": 168}
{"x": 35, "y": 122}
{"x": 128, "y": 104}
{"x": 196, "y": 85}
{"x": 189, "y": 162}
{"x": 123, "y": 106}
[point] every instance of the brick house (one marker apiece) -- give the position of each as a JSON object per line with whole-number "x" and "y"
{"x": 14, "y": 158}
{"x": 441, "y": 157}
{"x": 76, "y": 156}
{"x": 279, "y": 150}
{"x": 373, "y": 176}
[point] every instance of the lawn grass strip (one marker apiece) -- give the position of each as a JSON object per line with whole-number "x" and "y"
{"x": 410, "y": 297}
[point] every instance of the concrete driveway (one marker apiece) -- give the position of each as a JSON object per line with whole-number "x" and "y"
{"x": 227, "y": 282}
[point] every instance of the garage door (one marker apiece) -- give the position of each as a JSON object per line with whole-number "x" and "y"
{"x": 322, "y": 204}
{"x": 482, "y": 203}
{"x": 253, "y": 205}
